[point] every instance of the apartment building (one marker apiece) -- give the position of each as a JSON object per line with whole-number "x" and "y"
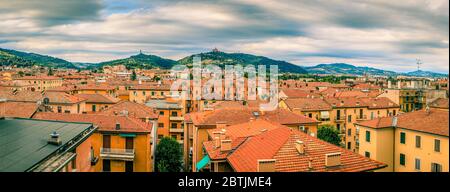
{"x": 237, "y": 149}
{"x": 410, "y": 142}
{"x": 102, "y": 89}
{"x": 97, "y": 102}
{"x": 197, "y": 125}
{"x": 45, "y": 146}
{"x": 41, "y": 83}
{"x": 120, "y": 144}
{"x": 170, "y": 118}
{"x": 142, "y": 93}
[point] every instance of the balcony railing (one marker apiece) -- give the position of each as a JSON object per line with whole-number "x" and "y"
{"x": 360, "y": 118}
{"x": 176, "y": 118}
{"x": 117, "y": 154}
{"x": 339, "y": 118}
{"x": 174, "y": 130}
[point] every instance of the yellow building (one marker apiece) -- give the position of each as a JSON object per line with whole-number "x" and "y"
{"x": 143, "y": 93}
{"x": 120, "y": 144}
{"x": 410, "y": 142}
{"x": 41, "y": 82}
{"x": 101, "y": 89}
{"x": 97, "y": 102}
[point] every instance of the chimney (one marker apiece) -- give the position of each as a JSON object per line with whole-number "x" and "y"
{"x": 54, "y": 139}
{"x": 300, "y": 146}
{"x": 217, "y": 142}
{"x": 117, "y": 126}
{"x": 394, "y": 121}
{"x": 225, "y": 145}
{"x": 332, "y": 159}
{"x": 310, "y": 160}
{"x": 266, "y": 165}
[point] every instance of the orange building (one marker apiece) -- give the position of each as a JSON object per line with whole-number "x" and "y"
{"x": 120, "y": 144}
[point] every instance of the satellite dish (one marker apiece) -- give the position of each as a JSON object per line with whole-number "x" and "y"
{"x": 46, "y": 101}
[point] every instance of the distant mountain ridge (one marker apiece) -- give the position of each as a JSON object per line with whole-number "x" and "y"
{"x": 221, "y": 59}
{"x": 23, "y": 59}
{"x": 145, "y": 61}
{"x": 348, "y": 69}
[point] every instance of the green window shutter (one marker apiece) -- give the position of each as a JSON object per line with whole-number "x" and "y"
{"x": 402, "y": 159}
{"x": 368, "y": 136}
{"x": 402, "y": 138}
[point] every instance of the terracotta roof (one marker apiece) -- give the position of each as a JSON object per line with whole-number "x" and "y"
{"x": 215, "y": 153}
{"x": 17, "y": 109}
{"x": 247, "y": 129}
{"x": 132, "y": 109}
{"x": 162, "y": 87}
{"x": 439, "y": 103}
{"x": 434, "y": 122}
{"x": 39, "y": 78}
{"x": 23, "y": 96}
{"x": 98, "y": 98}
{"x": 379, "y": 103}
{"x": 350, "y": 94}
{"x": 298, "y": 93}
{"x": 366, "y": 86}
{"x": 61, "y": 97}
{"x": 96, "y": 87}
{"x": 345, "y": 102}
{"x": 304, "y": 104}
{"x": 279, "y": 144}
{"x": 104, "y": 122}
{"x": 240, "y": 115}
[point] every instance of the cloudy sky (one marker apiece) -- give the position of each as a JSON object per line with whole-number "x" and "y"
{"x": 384, "y": 34}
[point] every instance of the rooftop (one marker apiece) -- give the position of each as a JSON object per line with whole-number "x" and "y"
{"x": 24, "y": 141}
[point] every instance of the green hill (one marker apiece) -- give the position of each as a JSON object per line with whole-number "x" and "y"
{"x": 141, "y": 61}
{"x": 221, "y": 59}
{"x": 23, "y": 59}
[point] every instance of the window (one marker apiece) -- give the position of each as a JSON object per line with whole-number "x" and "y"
{"x": 310, "y": 115}
{"x": 338, "y": 126}
{"x": 402, "y": 138}
{"x": 173, "y": 125}
{"x": 394, "y": 113}
{"x": 349, "y": 145}
{"x": 418, "y": 141}
{"x": 94, "y": 108}
{"x": 349, "y": 132}
{"x": 174, "y": 136}
{"x": 402, "y": 159}
{"x": 161, "y": 113}
{"x": 367, "y": 154}
{"x": 106, "y": 141}
{"x": 59, "y": 109}
{"x": 143, "y": 93}
{"x": 129, "y": 143}
{"x": 129, "y": 166}
{"x": 437, "y": 145}
{"x": 371, "y": 115}
{"x": 349, "y": 118}
{"x": 417, "y": 164}
{"x": 106, "y": 165}
{"x": 174, "y": 113}
{"x": 153, "y": 93}
{"x": 435, "y": 167}
{"x": 368, "y": 136}
{"x": 161, "y": 125}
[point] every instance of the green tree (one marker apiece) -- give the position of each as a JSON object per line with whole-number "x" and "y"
{"x": 168, "y": 156}
{"x": 329, "y": 134}
{"x": 133, "y": 76}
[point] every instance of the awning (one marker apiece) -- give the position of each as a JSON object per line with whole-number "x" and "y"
{"x": 202, "y": 163}
{"x": 324, "y": 115}
{"x": 127, "y": 135}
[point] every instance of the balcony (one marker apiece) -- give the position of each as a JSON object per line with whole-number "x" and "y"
{"x": 339, "y": 118}
{"x": 176, "y": 130}
{"x": 117, "y": 154}
{"x": 176, "y": 118}
{"x": 361, "y": 118}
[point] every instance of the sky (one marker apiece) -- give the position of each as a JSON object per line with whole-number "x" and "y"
{"x": 383, "y": 34}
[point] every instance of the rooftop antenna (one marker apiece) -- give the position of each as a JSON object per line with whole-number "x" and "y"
{"x": 419, "y": 63}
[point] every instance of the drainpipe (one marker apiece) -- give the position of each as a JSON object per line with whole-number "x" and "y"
{"x": 154, "y": 142}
